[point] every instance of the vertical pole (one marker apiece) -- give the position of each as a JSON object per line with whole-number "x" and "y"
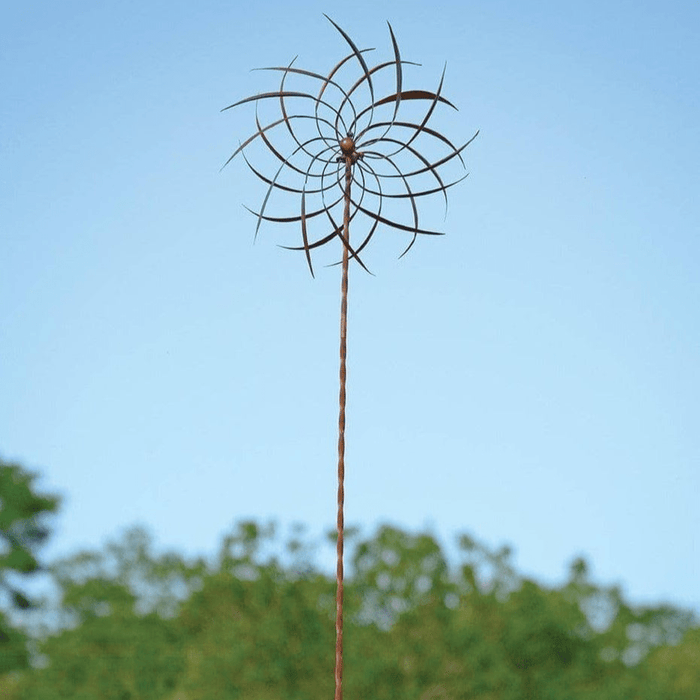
{"x": 341, "y": 437}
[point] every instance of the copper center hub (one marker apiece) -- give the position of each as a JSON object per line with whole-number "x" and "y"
{"x": 347, "y": 146}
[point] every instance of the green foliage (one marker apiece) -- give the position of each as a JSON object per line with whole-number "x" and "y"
{"x": 23, "y": 530}
{"x": 248, "y": 609}
{"x": 258, "y": 622}
{"x": 119, "y": 635}
{"x": 674, "y": 671}
{"x": 22, "y": 524}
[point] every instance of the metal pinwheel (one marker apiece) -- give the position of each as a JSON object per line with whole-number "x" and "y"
{"x": 332, "y": 155}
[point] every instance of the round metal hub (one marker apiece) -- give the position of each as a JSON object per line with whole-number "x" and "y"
{"x": 347, "y": 146}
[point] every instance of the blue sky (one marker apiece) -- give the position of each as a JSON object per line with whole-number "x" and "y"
{"x": 532, "y": 377}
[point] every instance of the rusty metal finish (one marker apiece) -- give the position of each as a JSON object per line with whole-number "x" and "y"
{"x": 328, "y": 126}
{"x": 348, "y": 155}
{"x": 328, "y": 153}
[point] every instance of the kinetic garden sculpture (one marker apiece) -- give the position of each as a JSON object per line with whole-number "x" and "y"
{"x": 331, "y": 154}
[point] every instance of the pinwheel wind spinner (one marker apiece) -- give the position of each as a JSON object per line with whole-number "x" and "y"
{"x": 339, "y": 150}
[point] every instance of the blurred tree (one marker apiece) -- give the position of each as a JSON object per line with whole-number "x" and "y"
{"x": 23, "y": 529}
{"x": 674, "y": 671}
{"x": 395, "y": 572}
{"x": 256, "y": 629}
{"x": 119, "y": 637}
{"x": 258, "y": 622}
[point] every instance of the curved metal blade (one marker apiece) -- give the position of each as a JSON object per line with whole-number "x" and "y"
{"x": 380, "y": 153}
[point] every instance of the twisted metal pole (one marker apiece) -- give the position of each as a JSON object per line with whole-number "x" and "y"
{"x": 348, "y": 150}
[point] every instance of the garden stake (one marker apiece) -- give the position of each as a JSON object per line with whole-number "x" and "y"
{"x": 348, "y": 146}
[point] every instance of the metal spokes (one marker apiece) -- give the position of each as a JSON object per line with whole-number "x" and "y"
{"x": 318, "y": 125}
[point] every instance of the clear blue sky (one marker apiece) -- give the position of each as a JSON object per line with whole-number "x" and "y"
{"x": 532, "y": 377}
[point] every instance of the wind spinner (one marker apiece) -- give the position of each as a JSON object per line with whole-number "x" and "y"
{"x": 334, "y": 160}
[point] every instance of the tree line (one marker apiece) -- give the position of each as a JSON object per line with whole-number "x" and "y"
{"x": 257, "y": 621}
